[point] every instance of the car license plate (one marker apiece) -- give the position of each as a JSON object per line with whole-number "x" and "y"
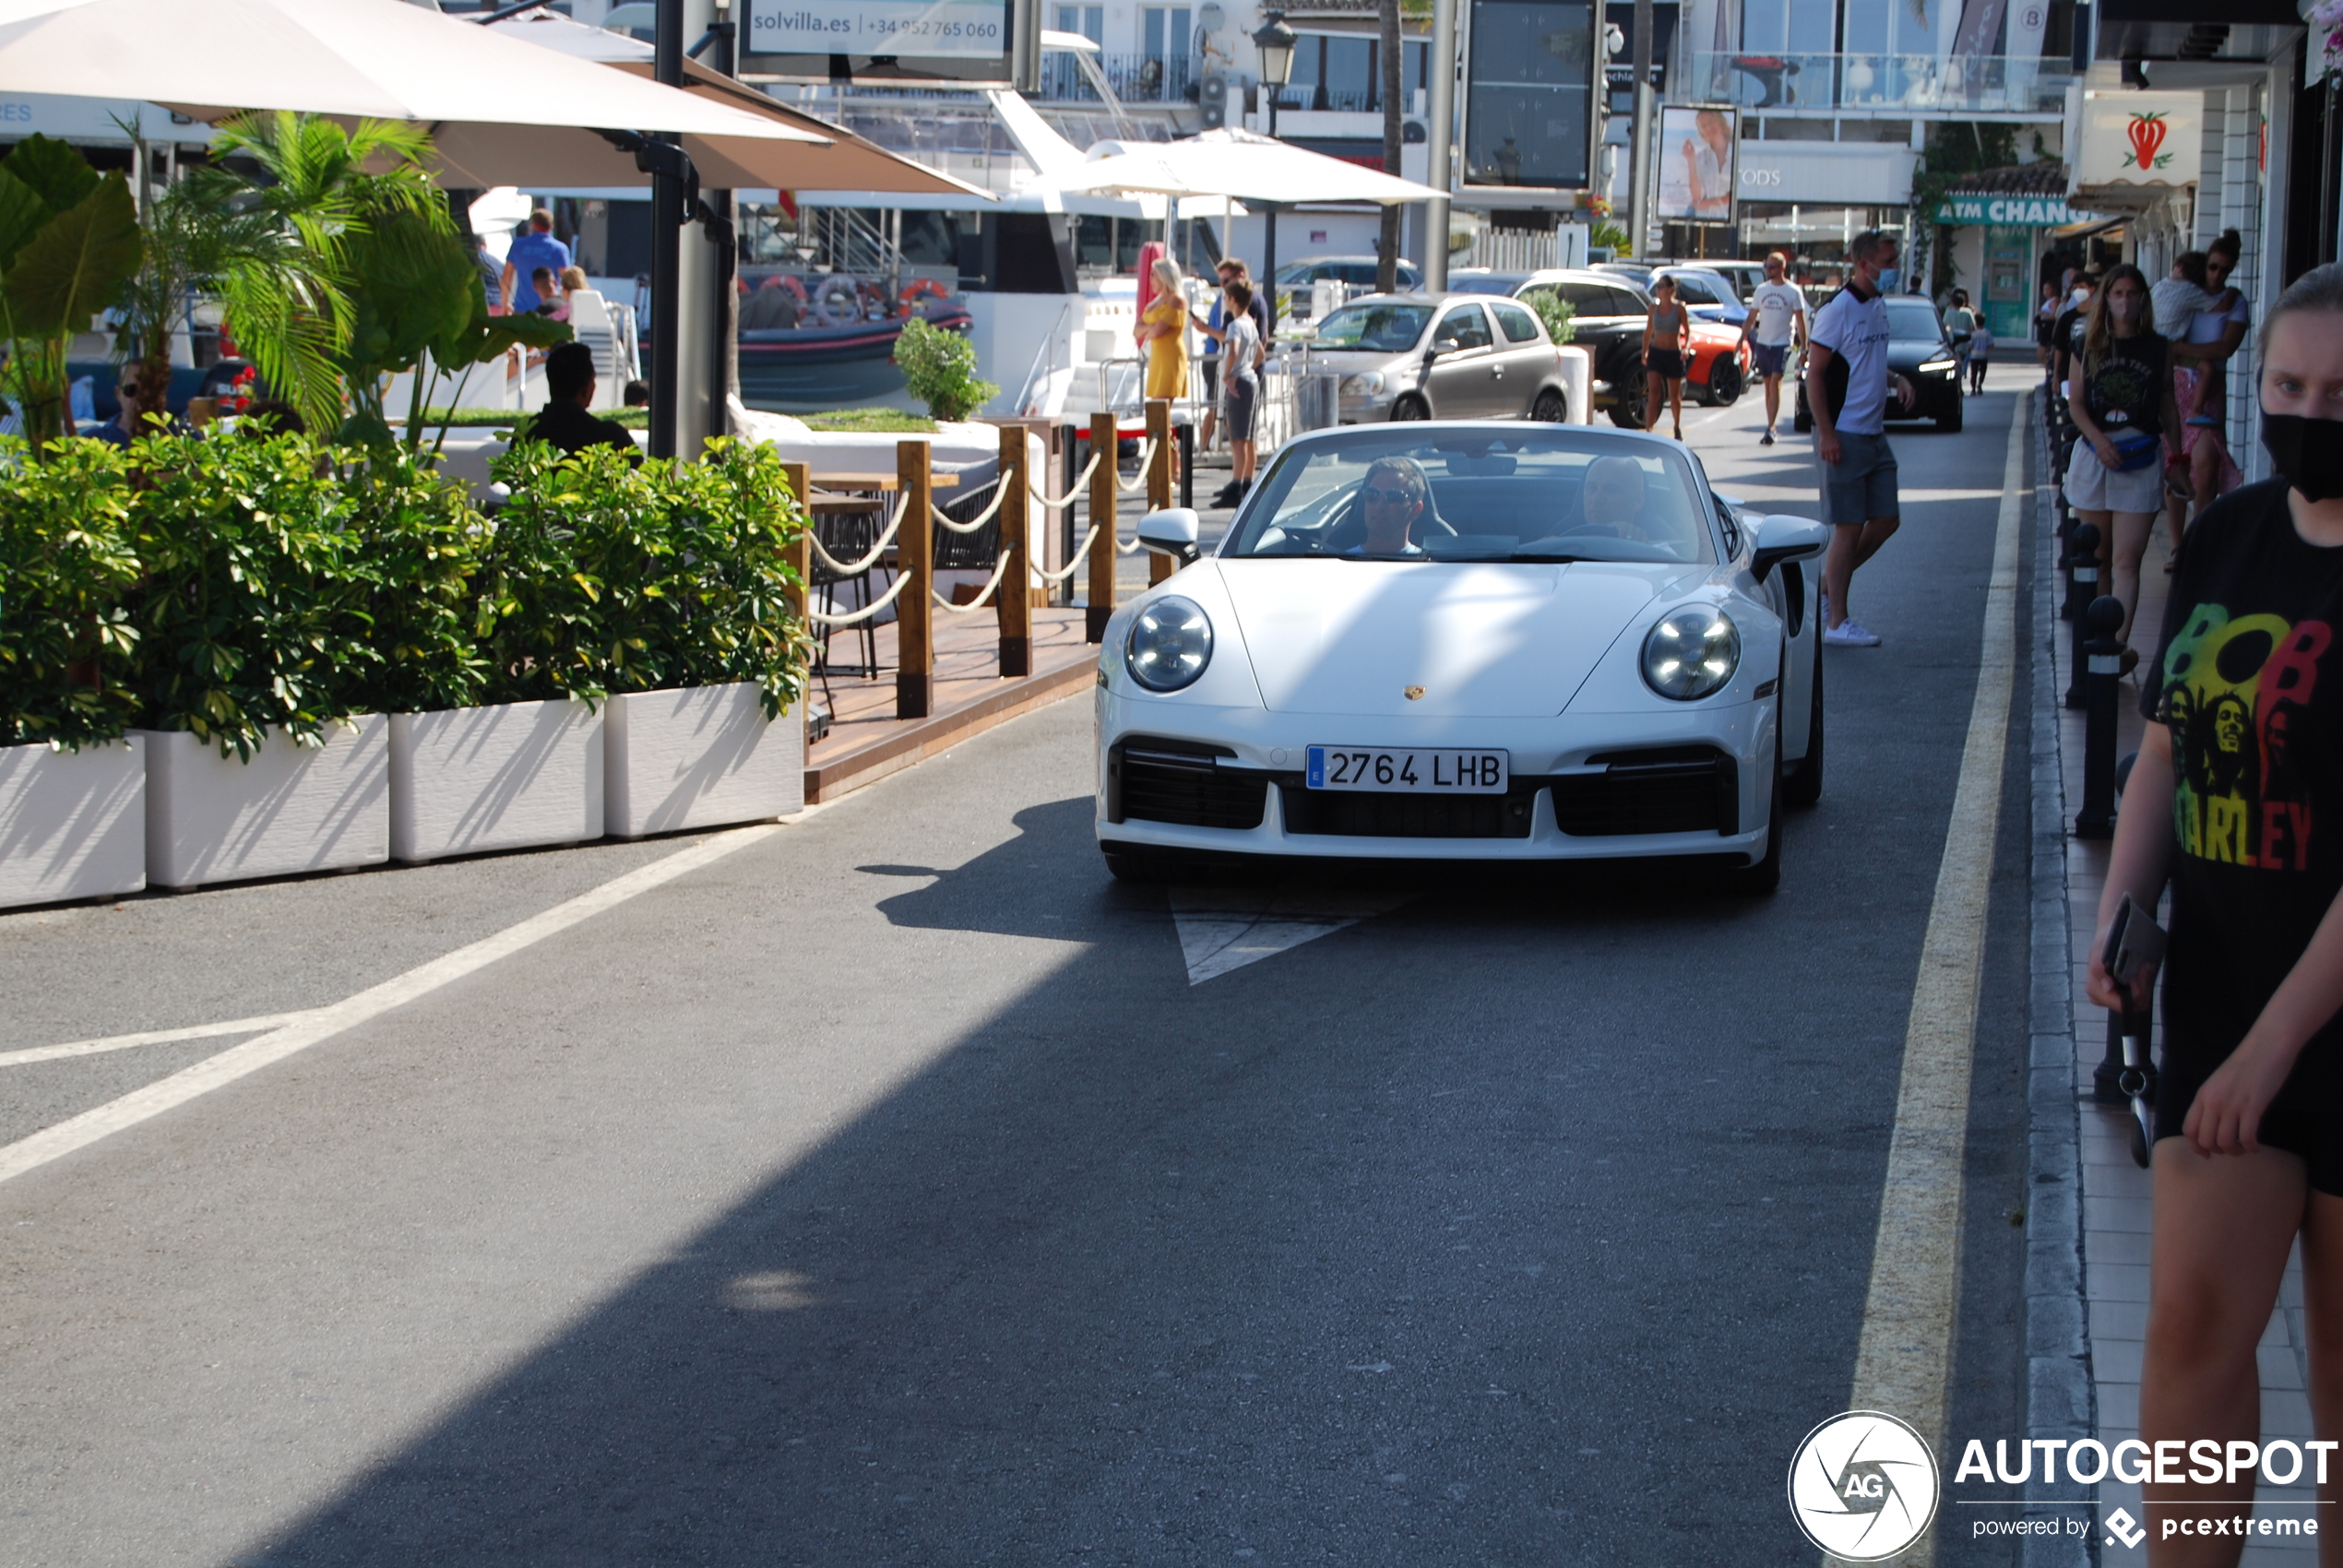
{"x": 1409, "y": 772}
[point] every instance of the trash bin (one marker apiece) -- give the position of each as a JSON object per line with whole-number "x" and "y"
{"x": 1317, "y": 401}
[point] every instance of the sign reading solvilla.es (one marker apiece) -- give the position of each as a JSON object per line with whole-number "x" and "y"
{"x": 2010, "y": 212}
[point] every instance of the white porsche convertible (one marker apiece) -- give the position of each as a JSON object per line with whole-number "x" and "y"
{"x": 1467, "y": 641}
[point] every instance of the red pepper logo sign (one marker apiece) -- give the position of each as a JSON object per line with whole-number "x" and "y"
{"x": 2147, "y": 132}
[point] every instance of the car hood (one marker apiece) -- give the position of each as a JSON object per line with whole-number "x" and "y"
{"x": 1479, "y": 639}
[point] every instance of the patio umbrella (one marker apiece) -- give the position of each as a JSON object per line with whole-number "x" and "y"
{"x": 849, "y": 162}
{"x": 1240, "y": 164}
{"x": 515, "y": 114}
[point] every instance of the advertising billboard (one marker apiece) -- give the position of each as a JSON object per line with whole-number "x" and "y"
{"x": 1698, "y": 148}
{"x": 965, "y": 42}
{"x": 1530, "y": 93}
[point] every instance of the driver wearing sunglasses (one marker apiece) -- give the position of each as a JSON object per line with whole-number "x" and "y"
{"x": 1392, "y": 498}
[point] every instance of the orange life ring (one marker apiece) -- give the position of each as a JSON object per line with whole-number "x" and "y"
{"x": 921, "y": 288}
{"x": 794, "y": 287}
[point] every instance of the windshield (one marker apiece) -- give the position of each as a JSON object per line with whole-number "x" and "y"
{"x": 1912, "y": 320}
{"x": 1470, "y": 495}
{"x": 1393, "y": 329}
{"x": 1486, "y": 283}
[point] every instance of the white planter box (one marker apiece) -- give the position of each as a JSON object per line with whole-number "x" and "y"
{"x": 291, "y": 808}
{"x": 699, "y": 757}
{"x": 474, "y": 779}
{"x": 72, "y": 824}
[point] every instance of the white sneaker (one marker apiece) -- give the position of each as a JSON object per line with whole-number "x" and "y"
{"x": 1849, "y": 633}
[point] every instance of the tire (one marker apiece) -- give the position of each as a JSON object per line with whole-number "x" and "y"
{"x": 1759, "y": 879}
{"x": 1550, "y": 408}
{"x": 1805, "y": 786}
{"x": 1725, "y": 383}
{"x": 1949, "y": 422}
{"x": 1410, "y": 408}
{"x": 1627, "y": 414}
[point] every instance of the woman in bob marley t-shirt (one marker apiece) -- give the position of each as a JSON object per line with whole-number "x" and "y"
{"x": 2236, "y": 801}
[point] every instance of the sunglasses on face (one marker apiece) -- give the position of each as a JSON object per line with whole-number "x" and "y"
{"x": 1375, "y": 497}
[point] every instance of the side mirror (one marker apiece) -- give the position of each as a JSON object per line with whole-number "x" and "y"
{"x": 1172, "y": 532}
{"x": 1786, "y": 538}
{"x": 1444, "y": 346}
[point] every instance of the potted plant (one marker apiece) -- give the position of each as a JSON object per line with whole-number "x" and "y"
{"x": 254, "y": 648}
{"x": 660, "y": 593}
{"x": 72, "y": 785}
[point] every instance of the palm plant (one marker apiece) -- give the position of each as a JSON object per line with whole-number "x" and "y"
{"x": 69, "y": 238}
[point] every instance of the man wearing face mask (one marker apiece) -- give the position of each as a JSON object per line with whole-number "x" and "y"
{"x": 2066, "y": 332}
{"x": 2236, "y": 801}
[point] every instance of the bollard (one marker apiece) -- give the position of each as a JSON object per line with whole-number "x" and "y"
{"x": 1187, "y": 463}
{"x": 1014, "y": 599}
{"x": 2082, "y": 588}
{"x": 915, "y": 558}
{"x": 1160, "y": 567}
{"x": 1104, "y": 436}
{"x": 2103, "y": 658}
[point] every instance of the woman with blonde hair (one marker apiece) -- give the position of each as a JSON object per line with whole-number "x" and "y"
{"x": 1163, "y": 329}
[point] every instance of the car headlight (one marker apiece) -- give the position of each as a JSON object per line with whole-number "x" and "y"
{"x": 1938, "y": 367}
{"x": 1691, "y": 653}
{"x": 1171, "y": 642}
{"x": 1362, "y": 385}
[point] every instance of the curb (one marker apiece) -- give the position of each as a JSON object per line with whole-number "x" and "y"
{"x": 2060, "y": 1397}
{"x": 917, "y": 742}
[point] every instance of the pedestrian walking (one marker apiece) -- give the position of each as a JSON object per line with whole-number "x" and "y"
{"x": 2213, "y": 338}
{"x": 530, "y": 251}
{"x": 2120, "y": 397}
{"x": 1667, "y": 350}
{"x": 1847, "y": 383}
{"x": 1775, "y": 329}
{"x": 2234, "y": 802}
{"x": 2045, "y": 319}
{"x": 1960, "y": 324}
{"x": 1215, "y": 329}
{"x": 1980, "y": 350}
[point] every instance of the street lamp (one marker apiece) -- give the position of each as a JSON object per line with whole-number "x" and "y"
{"x": 1274, "y": 42}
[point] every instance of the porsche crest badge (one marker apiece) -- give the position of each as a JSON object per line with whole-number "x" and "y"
{"x": 1411, "y": 692}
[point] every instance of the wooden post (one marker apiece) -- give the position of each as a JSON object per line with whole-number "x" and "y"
{"x": 1015, "y": 598}
{"x": 1160, "y": 479}
{"x": 1102, "y": 556}
{"x": 799, "y": 553}
{"x": 915, "y": 558}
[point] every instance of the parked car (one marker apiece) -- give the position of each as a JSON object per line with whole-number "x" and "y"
{"x": 1442, "y": 356}
{"x": 1744, "y": 276}
{"x": 1917, "y": 349}
{"x": 1607, "y": 320}
{"x": 1358, "y": 271}
{"x": 1706, "y": 295}
{"x": 1572, "y": 649}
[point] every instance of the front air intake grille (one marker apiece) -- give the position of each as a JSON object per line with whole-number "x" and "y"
{"x": 1351, "y": 814}
{"x": 1181, "y": 782}
{"x": 1667, "y": 789}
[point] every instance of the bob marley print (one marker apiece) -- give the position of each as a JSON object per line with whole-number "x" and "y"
{"x": 2235, "y": 692}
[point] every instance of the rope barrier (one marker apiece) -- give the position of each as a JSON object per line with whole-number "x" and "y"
{"x": 1146, "y": 456}
{"x": 1053, "y": 579}
{"x": 1131, "y": 549}
{"x": 1000, "y": 493}
{"x": 981, "y": 599}
{"x": 881, "y": 602}
{"x": 1073, "y": 491}
{"x": 856, "y": 568}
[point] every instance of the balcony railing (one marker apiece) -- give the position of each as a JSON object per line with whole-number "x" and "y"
{"x": 1794, "y": 84}
{"x": 1135, "y": 78}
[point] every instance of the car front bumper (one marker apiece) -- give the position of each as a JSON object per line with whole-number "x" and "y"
{"x": 1546, "y": 813}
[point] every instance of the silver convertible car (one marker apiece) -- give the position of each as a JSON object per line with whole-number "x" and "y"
{"x": 1468, "y": 640}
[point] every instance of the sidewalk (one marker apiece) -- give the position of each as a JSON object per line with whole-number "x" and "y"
{"x": 2115, "y": 1193}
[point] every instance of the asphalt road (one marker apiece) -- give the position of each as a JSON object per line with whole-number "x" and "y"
{"x": 886, "y": 1193}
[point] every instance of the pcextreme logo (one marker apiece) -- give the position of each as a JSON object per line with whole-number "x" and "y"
{"x": 1863, "y": 1486}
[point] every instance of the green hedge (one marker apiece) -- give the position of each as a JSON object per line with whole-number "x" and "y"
{"x": 225, "y": 587}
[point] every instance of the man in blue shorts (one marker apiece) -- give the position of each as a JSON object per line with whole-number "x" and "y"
{"x": 1776, "y": 329}
{"x": 1847, "y": 385}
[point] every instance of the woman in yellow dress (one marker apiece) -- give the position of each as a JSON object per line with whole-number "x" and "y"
{"x": 1163, "y": 327}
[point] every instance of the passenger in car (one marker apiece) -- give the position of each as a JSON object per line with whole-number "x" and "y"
{"x": 1613, "y": 499}
{"x": 1392, "y": 498}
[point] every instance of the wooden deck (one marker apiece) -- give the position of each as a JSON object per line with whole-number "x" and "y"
{"x": 866, "y": 742}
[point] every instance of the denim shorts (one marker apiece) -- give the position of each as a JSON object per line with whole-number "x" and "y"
{"x": 1862, "y": 484}
{"x": 1772, "y": 359}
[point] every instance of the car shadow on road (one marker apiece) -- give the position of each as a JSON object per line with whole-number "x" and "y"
{"x": 1451, "y": 1239}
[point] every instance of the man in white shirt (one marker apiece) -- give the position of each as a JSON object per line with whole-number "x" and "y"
{"x": 1777, "y": 324}
{"x": 1847, "y": 385}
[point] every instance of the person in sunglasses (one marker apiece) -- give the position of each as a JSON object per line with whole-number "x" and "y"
{"x": 1391, "y": 499}
{"x": 1612, "y": 498}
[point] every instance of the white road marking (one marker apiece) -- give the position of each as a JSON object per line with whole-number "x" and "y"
{"x": 151, "y": 1037}
{"x": 324, "y": 1023}
{"x": 1903, "y": 1362}
{"x": 1224, "y": 928}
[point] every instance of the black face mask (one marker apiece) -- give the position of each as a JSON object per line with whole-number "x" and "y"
{"x": 2308, "y": 452}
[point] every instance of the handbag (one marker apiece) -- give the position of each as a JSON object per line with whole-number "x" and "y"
{"x": 2134, "y": 448}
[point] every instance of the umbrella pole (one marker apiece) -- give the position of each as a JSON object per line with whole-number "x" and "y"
{"x": 667, "y": 250}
